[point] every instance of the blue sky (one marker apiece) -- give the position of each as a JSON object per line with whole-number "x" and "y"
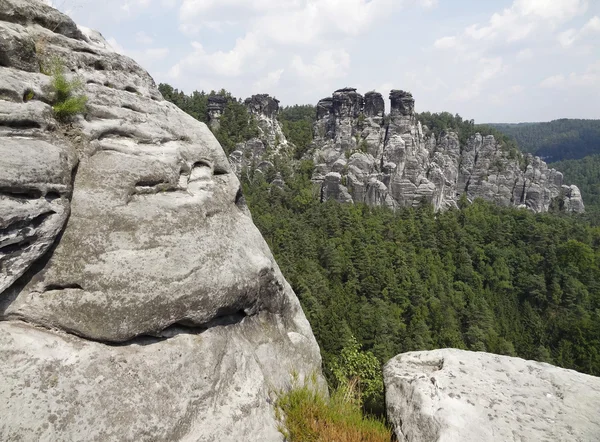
{"x": 492, "y": 60}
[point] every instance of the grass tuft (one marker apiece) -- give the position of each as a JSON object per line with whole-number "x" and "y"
{"x": 306, "y": 414}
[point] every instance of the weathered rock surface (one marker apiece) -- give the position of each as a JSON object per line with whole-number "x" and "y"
{"x": 216, "y": 107}
{"x": 397, "y": 163}
{"x": 258, "y": 154}
{"x": 455, "y": 395}
{"x": 137, "y": 299}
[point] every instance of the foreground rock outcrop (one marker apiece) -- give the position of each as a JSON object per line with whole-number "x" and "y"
{"x": 362, "y": 155}
{"x": 455, "y": 395}
{"x": 138, "y": 302}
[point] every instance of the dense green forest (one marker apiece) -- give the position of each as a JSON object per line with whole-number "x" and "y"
{"x": 374, "y": 283}
{"x": 481, "y": 277}
{"x": 586, "y": 174}
{"x": 557, "y": 140}
{"x": 297, "y": 125}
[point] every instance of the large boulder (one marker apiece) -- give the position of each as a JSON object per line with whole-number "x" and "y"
{"x": 137, "y": 299}
{"x": 460, "y": 396}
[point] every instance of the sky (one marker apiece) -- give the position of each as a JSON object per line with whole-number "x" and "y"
{"x": 488, "y": 60}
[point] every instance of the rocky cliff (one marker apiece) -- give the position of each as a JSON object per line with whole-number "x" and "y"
{"x": 138, "y": 302}
{"x": 454, "y": 395}
{"x": 363, "y": 155}
{"x": 258, "y": 153}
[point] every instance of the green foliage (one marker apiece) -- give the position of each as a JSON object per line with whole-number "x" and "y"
{"x": 67, "y": 100}
{"x": 354, "y": 366}
{"x": 195, "y": 104}
{"x": 374, "y": 283}
{"x": 439, "y": 123}
{"x": 297, "y": 125}
{"x": 236, "y": 124}
{"x": 28, "y": 95}
{"x": 306, "y": 414}
{"x": 483, "y": 277}
{"x": 556, "y": 140}
{"x": 586, "y": 174}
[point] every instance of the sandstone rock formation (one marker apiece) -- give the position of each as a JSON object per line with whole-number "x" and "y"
{"x": 454, "y": 395}
{"x": 259, "y": 153}
{"x": 363, "y": 156}
{"x": 138, "y": 302}
{"x": 216, "y": 107}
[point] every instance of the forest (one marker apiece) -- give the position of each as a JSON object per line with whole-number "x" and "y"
{"x": 565, "y": 139}
{"x": 586, "y": 174}
{"x": 374, "y": 282}
{"x": 480, "y": 277}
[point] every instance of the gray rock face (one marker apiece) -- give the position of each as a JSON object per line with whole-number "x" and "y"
{"x": 216, "y": 107}
{"x": 415, "y": 167}
{"x": 35, "y": 191}
{"x": 137, "y": 299}
{"x": 263, "y": 105}
{"x": 454, "y": 395}
{"x": 256, "y": 153}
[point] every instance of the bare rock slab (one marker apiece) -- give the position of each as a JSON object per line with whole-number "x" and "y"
{"x": 454, "y": 395}
{"x": 138, "y": 301}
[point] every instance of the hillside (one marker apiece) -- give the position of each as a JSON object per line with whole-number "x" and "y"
{"x": 565, "y": 139}
{"x": 363, "y": 155}
{"x": 586, "y": 173}
{"x": 477, "y": 276}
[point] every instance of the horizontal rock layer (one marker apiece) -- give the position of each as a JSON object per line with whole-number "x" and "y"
{"x": 126, "y": 223}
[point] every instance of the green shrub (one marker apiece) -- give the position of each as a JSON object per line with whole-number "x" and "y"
{"x": 67, "y": 101}
{"x": 306, "y": 414}
{"x": 362, "y": 369}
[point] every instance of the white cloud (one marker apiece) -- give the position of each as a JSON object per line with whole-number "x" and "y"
{"x": 326, "y": 65}
{"x": 132, "y": 7}
{"x": 570, "y": 36}
{"x": 155, "y": 53}
{"x": 446, "y": 42}
{"x": 219, "y": 26}
{"x": 427, "y": 4}
{"x": 486, "y": 70}
{"x": 116, "y": 46}
{"x": 553, "y": 81}
{"x": 292, "y": 21}
{"x": 589, "y": 78}
{"x": 524, "y": 54}
{"x": 507, "y": 94}
{"x": 266, "y": 84}
{"x": 518, "y": 22}
{"x": 225, "y": 63}
{"x": 143, "y": 38}
{"x": 554, "y": 10}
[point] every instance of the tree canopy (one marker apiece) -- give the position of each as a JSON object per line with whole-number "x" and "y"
{"x": 556, "y": 140}
{"x": 482, "y": 277}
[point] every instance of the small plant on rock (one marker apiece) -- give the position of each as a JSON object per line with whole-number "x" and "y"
{"x": 67, "y": 100}
{"x": 307, "y": 414}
